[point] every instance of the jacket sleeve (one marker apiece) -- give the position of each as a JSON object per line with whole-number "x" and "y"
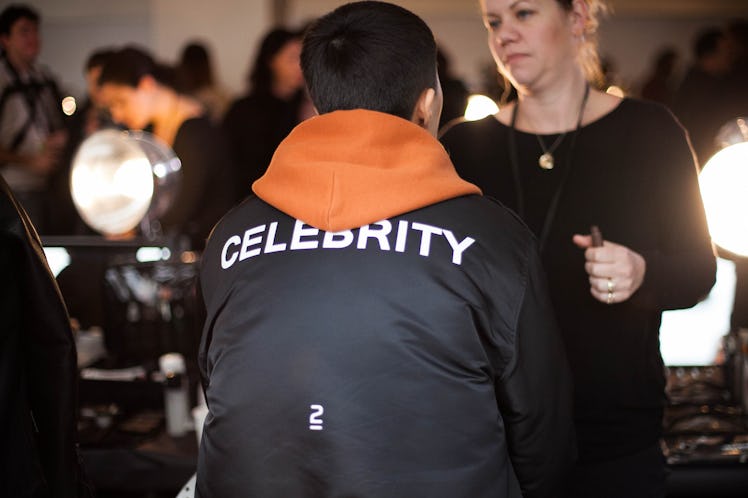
{"x": 42, "y": 367}
{"x": 535, "y": 394}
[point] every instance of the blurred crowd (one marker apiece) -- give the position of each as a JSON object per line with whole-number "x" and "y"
{"x": 225, "y": 142}
{"x": 711, "y": 91}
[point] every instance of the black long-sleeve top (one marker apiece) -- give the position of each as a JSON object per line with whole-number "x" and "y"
{"x": 633, "y": 175}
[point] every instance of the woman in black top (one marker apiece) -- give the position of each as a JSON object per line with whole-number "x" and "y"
{"x": 139, "y": 94}
{"x": 565, "y": 157}
{"x": 257, "y": 123}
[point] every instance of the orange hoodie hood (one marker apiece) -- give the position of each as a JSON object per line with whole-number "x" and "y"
{"x": 346, "y": 169}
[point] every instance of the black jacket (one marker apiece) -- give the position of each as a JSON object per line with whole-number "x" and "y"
{"x": 38, "y": 376}
{"x": 410, "y": 357}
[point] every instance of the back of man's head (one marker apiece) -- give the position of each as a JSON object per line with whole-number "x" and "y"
{"x": 13, "y": 13}
{"x": 369, "y": 55}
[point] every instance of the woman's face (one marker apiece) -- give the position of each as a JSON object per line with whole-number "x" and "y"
{"x": 532, "y": 41}
{"x": 128, "y": 105}
{"x": 286, "y": 66}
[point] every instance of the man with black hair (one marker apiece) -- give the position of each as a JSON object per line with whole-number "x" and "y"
{"x": 375, "y": 327}
{"x": 31, "y": 119}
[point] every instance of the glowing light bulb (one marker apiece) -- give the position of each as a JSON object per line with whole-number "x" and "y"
{"x": 69, "y": 105}
{"x": 724, "y": 190}
{"x": 480, "y": 106}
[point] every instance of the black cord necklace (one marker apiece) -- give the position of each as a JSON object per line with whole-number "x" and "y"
{"x": 514, "y": 160}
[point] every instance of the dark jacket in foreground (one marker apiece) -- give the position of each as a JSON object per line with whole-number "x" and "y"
{"x": 395, "y": 342}
{"x": 38, "y": 376}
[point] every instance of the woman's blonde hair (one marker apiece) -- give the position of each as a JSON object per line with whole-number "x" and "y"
{"x": 589, "y": 58}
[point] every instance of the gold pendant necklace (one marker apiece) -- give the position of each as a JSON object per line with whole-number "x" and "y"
{"x": 546, "y": 160}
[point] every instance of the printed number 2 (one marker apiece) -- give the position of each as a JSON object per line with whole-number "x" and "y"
{"x": 315, "y": 420}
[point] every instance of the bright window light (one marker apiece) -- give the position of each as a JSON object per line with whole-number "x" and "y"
{"x": 693, "y": 336}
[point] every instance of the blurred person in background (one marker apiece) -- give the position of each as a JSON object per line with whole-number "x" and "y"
{"x": 565, "y": 157}
{"x": 93, "y": 114}
{"x": 702, "y": 102}
{"x": 737, "y": 36}
{"x": 453, "y": 88}
{"x": 196, "y": 77}
{"x": 32, "y": 134}
{"x": 140, "y": 94}
{"x": 89, "y": 117}
{"x": 277, "y": 101}
{"x": 659, "y": 85}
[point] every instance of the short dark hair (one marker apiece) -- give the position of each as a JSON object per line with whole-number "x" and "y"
{"x": 129, "y": 65}
{"x": 98, "y": 58}
{"x": 369, "y": 55}
{"x": 14, "y": 12}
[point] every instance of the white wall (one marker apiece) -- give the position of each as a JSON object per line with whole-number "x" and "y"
{"x": 232, "y": 29}
{"x": 71, "y": 29}
{"x": 456, "y": 24}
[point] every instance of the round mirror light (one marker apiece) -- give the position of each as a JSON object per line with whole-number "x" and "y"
{"x": 122, "y": 178}
{"x": 724, "y": 190}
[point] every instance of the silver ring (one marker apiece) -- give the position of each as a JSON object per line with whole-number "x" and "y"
{"x": 611, "y": 296}
{"x": 610, "y": 285}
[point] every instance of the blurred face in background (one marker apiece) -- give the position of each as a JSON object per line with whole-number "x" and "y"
{"x": 92, "y": 85}
{"x": 22, "y": 43}
{"x": 532, "y": 41}
{"x": 130, "y": 106}
{"x": 286, "y": 67}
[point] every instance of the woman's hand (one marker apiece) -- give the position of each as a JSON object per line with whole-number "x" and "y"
{"x": 615, "y": 271}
